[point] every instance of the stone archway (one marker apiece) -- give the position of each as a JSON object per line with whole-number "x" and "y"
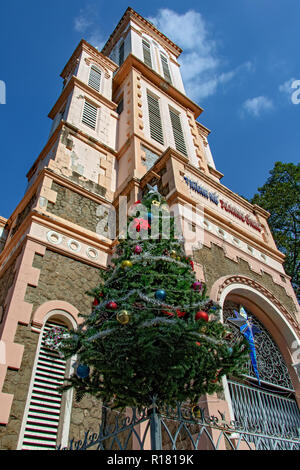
{"x": 281, "y": 325}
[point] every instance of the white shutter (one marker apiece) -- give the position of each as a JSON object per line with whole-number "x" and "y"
{"x": 177, "y": 132}
{"x": 166, "y": 70}
{"x": 89, "y": 116}
{"x": 147, "y": 53}
{"x": 155, "y": 119}
{"x": 43, "y": 415}
{"x": 95, "y": 78}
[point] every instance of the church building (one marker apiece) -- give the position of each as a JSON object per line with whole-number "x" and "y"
{"x": 122, "y": 122}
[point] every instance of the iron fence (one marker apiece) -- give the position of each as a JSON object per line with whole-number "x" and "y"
{"x": 180, "y": 428}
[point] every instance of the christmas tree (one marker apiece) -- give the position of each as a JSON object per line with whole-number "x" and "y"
{"x": 152, "y": 335}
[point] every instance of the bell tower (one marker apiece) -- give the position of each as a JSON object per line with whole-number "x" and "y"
{"x": 121, "y": 121}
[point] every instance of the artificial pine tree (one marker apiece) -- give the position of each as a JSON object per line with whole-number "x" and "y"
{"x": 152, "y": 334}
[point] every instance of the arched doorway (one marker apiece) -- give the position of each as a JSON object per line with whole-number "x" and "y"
{"x": 269, "y": 408}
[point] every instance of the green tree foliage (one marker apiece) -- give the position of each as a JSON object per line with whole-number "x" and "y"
{"x": 280, "y": 196}
{"x": 153, "y": 334}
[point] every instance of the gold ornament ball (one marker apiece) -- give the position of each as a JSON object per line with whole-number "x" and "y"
{"x": 156, "y": 203}
{"x": 123, "y": 317}
{"x": 173, "y": 254}
{"x": 178, "y": 258}
{"x": 126, "y": 264}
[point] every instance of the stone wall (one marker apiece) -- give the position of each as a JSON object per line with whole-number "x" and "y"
{"x": 6, "y": 281}
{"x": 215, "y": 265}
{"x": 17, "y": 383}
{"x": 75, "y": 208}
{"x": 63, "y": 278}
{"x": 23, "y": 214}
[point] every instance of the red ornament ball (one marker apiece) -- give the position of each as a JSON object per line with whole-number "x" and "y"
{"x": 96, "y": 302}
{"x": 112, "y": 305}
{"x": 138, "y": 249}
{"x": 201, "y": 316}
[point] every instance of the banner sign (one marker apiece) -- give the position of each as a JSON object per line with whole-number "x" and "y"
{"x": 215, "y": 198}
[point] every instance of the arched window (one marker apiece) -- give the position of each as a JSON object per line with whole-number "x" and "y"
{"x": 45, "y": 412}
{"x": 269, "y": 408}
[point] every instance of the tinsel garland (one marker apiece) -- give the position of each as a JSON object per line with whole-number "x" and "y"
{"x": 155, "y": 302}
{"x": 145, "y": 257}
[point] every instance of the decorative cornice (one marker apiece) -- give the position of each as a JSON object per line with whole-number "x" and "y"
{"x": 204, "y": 131}
{"x": 131, "y": 14}
{"x": 156, "y": 80}
{"x": 97, "y": 56}
{"x": 215, "y": 172}
{"x": 74, "y": 81}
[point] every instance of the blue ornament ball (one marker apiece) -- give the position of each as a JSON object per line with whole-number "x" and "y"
{"x": 230, "y": 350}
{"x": 82, "y": 371}
{"x": 160, "y": 294}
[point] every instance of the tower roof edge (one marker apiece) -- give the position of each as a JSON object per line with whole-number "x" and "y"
{"x": 131, "y": 13}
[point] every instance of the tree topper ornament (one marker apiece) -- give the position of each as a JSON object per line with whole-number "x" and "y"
{"x": 248, "y": 330}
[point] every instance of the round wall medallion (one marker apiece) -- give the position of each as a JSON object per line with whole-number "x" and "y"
{"x": 92, "y": 253}
{"x": 54, "y": 237}
{"x": 74, "y": 245}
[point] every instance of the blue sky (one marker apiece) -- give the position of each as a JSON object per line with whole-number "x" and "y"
{"x": 240, "y": 58}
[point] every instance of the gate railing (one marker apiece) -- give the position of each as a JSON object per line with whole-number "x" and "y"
{"x": 269, "y": 413}
{"x": 180, "y": 429}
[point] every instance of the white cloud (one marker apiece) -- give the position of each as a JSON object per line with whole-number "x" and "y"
{"x": 287, "y": 89}
{"x": 257, "y": 106}
{"x": 201, "y": 65}
{"x": 86, "y": 24}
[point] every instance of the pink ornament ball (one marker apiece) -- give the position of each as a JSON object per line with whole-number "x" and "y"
{"x": 197, "y": 286}
{"x": 138, "y": 249}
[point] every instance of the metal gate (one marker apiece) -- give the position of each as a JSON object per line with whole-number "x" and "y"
{"x": 265, "y": 413}
{"x": 179, "y": 429}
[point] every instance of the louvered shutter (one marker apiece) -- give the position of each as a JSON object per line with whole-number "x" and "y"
{"x": 89, "y": 116}
{"x": 155, "y": 119}
{"x": 121, "y": 54}
{"x": 147, "y": 54}
{"x": 166, "y": 70}
{"x": 177, "y": 132}
{"x": 43, "y": 415}
{"x": 95, "y": 78}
